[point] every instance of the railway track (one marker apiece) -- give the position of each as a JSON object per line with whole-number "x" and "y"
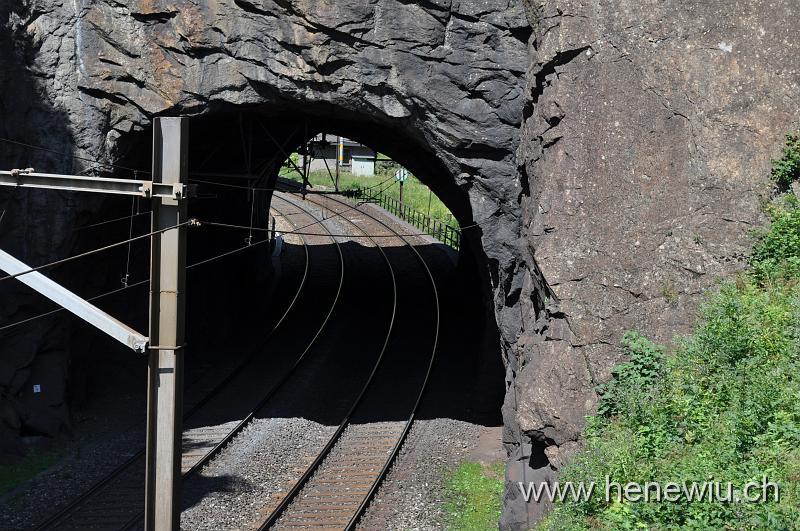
{"x": 335, "y": 489}
{"x": 332, "y": 491}
{"x": 116, "y": 501}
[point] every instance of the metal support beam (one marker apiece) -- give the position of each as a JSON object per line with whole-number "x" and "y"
{"x": 167, "y": 330}
{"x": 74, "y": 304}
{"x": 77, "y": 183}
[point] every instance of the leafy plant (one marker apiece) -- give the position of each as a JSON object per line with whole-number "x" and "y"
{"x": 786, "y": 169}
{"x": 636, "y": 377}
{"x": 726, "y": 406}
{"x": 18, "y": 472}
{"x": 777, "y": 255}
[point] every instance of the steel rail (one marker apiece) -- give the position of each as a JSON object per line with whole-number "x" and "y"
{"x": 336, "y": 436}
{"x": 275, "y": 388}
{"x": 75, "y": 504}
{"x": 423, "y": 390}
{"x": 315, "y": 465}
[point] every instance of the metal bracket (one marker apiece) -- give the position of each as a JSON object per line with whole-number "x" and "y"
{"x": 28, "y": 178}
{"x": 158, "y": 347}
{"x": 147, "y": 189}
{"x": 17, "y": 174}
{"x": 73, "y": 303}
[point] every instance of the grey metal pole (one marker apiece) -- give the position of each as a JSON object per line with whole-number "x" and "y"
{"x": 430, "y": 197}
{"x": 338, "y": 159}
{"x": 167, "y": 331}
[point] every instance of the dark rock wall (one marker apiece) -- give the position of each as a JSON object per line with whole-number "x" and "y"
{"x": 440, "y": 82}
{"x": 613, "y": 189}
{"x": 35, "y": 226}
{"x": 646, "y": 145}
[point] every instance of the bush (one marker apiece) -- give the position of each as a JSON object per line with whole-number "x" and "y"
{"x": 777, "y": 255}
{"x": 786, "y": 169}
{"x": 635, "y": 379}
{"x": 724, "y": 406}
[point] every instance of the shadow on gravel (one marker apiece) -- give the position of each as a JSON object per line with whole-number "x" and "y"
{"x": 200, "y": 487}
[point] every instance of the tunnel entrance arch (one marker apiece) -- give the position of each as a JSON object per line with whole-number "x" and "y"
{"x": 248, "y": 147}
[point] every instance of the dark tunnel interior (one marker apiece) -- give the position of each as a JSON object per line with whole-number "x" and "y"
{"x": 231, "y": 304}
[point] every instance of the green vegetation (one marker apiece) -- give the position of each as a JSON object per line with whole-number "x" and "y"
{"x": 786, "y": 169}
{"x": 669, "y": 291}
{"x": 474, "y": 497}
{"x": 415, "y": 194}
{"x": 725, "y": 407}
{"x": 14, "y": 474}
{"x": 777, "y": 256}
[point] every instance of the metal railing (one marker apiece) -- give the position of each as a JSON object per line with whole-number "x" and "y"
{"x": 442, "y": 231}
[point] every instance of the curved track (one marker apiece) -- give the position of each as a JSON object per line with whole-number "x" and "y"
{"x": 335, "y": 490}
{"x": 115, "y": 502}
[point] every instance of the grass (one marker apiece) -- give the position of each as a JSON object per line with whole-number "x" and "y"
{"x": 16, "y": 473}
{"x": 474, "y": 497}
{"x": 415, "y": 194}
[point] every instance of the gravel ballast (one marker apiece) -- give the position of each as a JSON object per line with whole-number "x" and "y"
{"x": 412, "y": 495}
{"x": 232, "y": 490}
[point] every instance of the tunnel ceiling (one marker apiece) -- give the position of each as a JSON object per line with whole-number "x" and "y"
{"x": 220, "y": 139}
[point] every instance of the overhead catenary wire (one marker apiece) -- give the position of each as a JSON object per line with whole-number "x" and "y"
{"x": 127, "y": 276}
{"x": 475, "y": 224}
{"x": 262, "y": 189}
{"x": 131, "y": 286}
{"x": 229, "y": 253}
{"x": 98, "y": 250}
{"x": 280, "y": 147}
{"x": 300, "y": 232}
{"x": 76, "y": 157}
{"x": 194, "y": 222}
{"x": 58, "y": 310}
{"x": 110, "y": 221}
{"x": 472, "y": 225}
{"x": 117, "y": 166}
{"x": 378, "y": 185}
{"x": 374, "y": 196}
{"x": 235, "y": 186}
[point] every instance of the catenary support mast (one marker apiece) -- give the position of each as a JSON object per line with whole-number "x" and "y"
{"x": 167, "y": 330}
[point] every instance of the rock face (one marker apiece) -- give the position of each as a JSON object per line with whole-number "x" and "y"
{"x": 35, "y": 353}
{"x": 437, "y": 85}
{"x": 645, "y": 150}
{"x": 612, "y": 153}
